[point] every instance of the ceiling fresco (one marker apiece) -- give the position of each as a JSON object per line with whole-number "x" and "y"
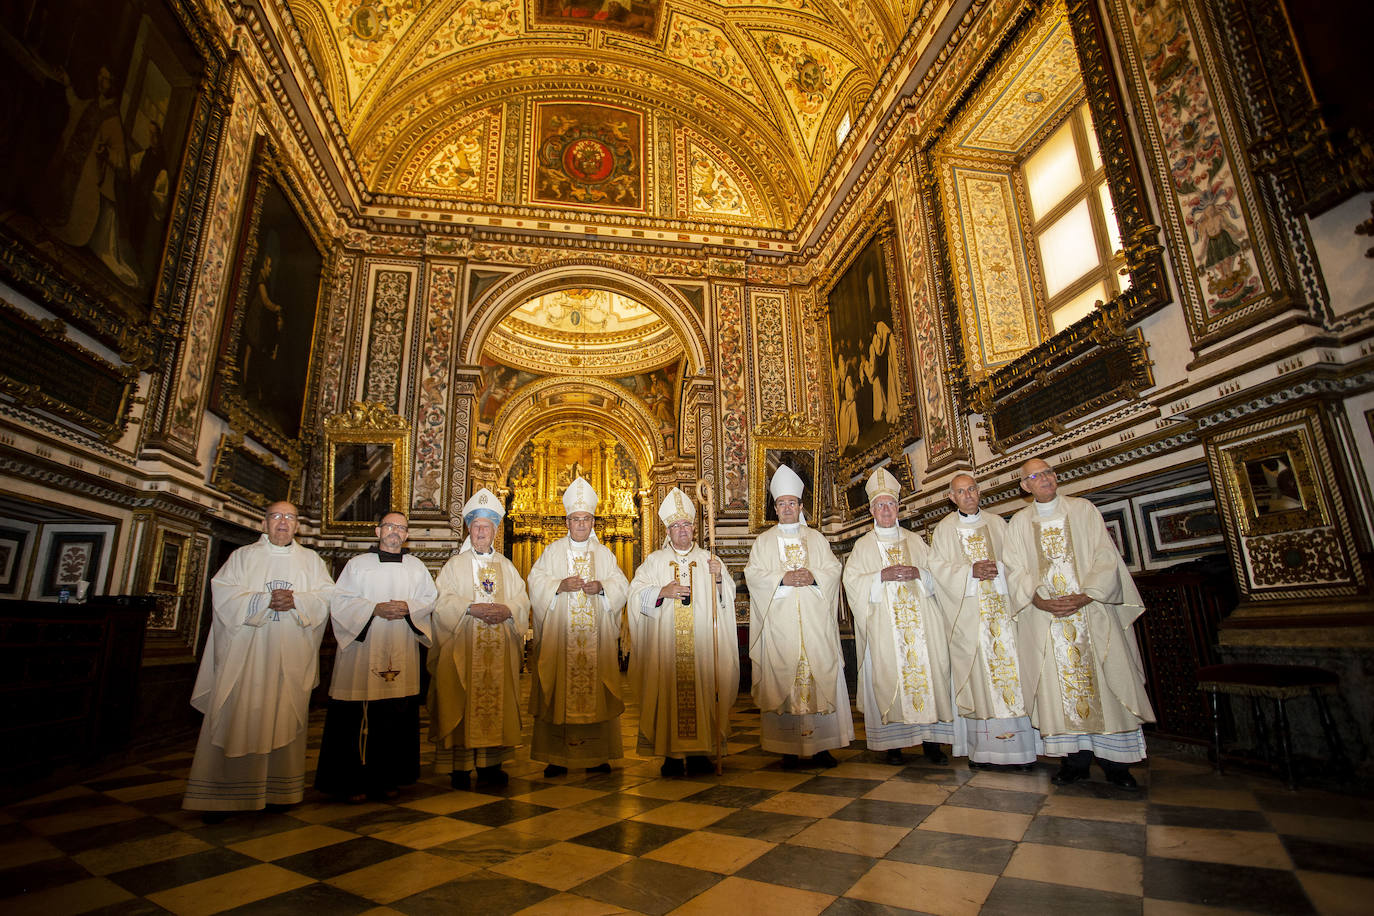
{"x": 721, "y": 112}
{"x": 588, "y": 332}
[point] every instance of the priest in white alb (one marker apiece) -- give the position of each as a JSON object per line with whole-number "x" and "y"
{"x": 576, "y": 593}
{"x": 794, "y": 635}
{"x": 991, "y": 727}
{"x": 685, "y": 663}
{"x": 1075, "y": 605}
{"x": 380, "y": 612}
{"x": 480, "y": 621}
{"x": 271, "y": 602}
{"x": 901, "y": 638}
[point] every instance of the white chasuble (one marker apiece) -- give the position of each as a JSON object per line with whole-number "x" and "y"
{"x": 803, "y": 698}
{"x": 486, "y": 693}
{"x": 1073, "y": 650}
{"x": 996, "y": 631}
{"x": 579, "y": 664}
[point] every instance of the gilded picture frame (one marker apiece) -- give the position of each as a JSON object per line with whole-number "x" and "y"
{"x": 799, "y": 444}
{"x": 1273, "y": 484}
{"x": 367, "y": 468}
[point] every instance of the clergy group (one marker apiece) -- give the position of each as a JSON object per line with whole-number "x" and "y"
{"x": 1003, "y": 641}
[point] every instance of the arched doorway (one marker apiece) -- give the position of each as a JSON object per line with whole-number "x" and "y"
{"x": 584, "y": 370}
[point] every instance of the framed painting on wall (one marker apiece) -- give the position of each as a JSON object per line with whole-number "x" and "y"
{"x": 266, "y": 349}
{"x": 16, "y": 548}
{"x": 870, "y": 368}
{"x": 69, "y": 555}
{"x": 114, "y": 133}
{"x": 1181, "y": 525}
{"x": 788, "y": 440}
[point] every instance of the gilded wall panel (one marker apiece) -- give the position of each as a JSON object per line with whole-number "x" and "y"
{"x": 433, "y": 401}
{"x": 335, "y": 340}
{"x": 711, "y": 184}
{"x": 769, "y": 357}
{"x": 990, "y": 267}
{"x": 734, "y": 407}
{"x": 198, "y": 351}
{"x": 1222, "y": 263}
{"x": 390, "y": 290}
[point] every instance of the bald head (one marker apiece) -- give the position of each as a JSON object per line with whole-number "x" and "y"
{"x": 280, "y": 523}
{"x": 963, "y": 492}
{"x": 1039, "y": 480}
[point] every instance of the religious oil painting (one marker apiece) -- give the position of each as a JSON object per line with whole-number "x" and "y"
{"x": 1274, "y": 481}
{"x": 167, "y": 561}
{"x": 658, "y": 391}
{"x": 98, "y": 97}
{"x": 274, "y": 299}
{"x": 868, "y": 360}
{"x": 638, "y": 17}
{"x": 589, "y": 155}
{"x": 499, "y": 382}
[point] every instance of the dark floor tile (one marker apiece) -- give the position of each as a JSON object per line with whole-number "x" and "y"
{"x": 996, "y": 800}
{"x": 768, "y": 826}
{"x": 732, "y": 796}
{"x": 159, "y": 876}
{"x": 33, "y": 810}
{"x": 247, "y": 825}
{"x": 940, "y": 776}
{"x": 123, "y": 782}
{"x": 1017, "y": 897}
{"x": 953, "y": 850}
{"x": 893, "y": 814}
{"x": 633, "y": 838}
{"x": 9, "y": 833}
{"x": 1213, "y": 818}
{"x": 848, "y": 906}
{"x": 313, "y": 898}
{"x": 373, "y": 821}
{"x": 1319, "y": 804}
{"x": 481, "y": 893}
{"x": 350, "y": 855}
{"x": 1262, "y": 890}
{"x": 171, "y": 763}
{"x": 802, "y": 867}
{"x": 1104, "y": 836}
{"x": 490, "y": 847}
{"x": 37, "y": 876}
{"x": 1096, "y": 787}
{"x": 510, "y": 789}
{"x": 834, "y": 785}
{"x": 135, "y": 906}
{"x": 647, "y": 886}
{"x": 139, "y": 828}
{"x": 1322, "y": 855}
{"x": 620, "y": 805}
{"x": 614, "y": 781}
{"x": 500, "y": 813}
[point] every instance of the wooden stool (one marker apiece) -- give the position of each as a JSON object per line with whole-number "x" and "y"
{"x": 1279, "y": 683}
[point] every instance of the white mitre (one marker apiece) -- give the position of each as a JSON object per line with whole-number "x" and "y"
{"x": 677, "y": 506}
{"x": 785, "y": 482}
{"x": 579, "y": 497}
{"x": 882, "y": 483}
{"x": 483, "y": 504}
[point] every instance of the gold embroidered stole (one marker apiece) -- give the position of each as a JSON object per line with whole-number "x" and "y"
{"x": 1073, "y": 651}
{"x": 915, "y": 696}
{"x": 685, "y": 653}
{"x": 581, "y": 673}
{"x": 486, "y": 689}
{"x": 803, "y": 682}
{"x": 996, "y": 631}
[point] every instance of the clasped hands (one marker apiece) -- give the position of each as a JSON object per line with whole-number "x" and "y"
{"x": 490, "y": 612}
{"x": 900, "y": 573}
{"x": 796, "y": 577}
{"x": 391, "y": 610}
{"x": 579, "y": 584}
{"x": 283, "y": 599}
{"x": 985, "y": 569}
{"x": 1061, "y": 607}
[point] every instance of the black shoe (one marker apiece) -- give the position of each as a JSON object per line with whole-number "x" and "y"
{"x": 894, "y": 757}
{"x": 824, "y": 759}
{"x": 279, "y": 807}
{"x": 1121, "y": 778}
{"x": 790, "y": 761}
{"x": 978, "y": 765}
{"x": 933, "y": 754}
{"x": 672, "y": 766}
{"x": 553, "y": 770}
{"x": 600, "y": 768}
{"x": 699, "y": 765}
{"x": 492, "y": 776}
{"x": 1068, "y": 775}
{"x": 214, "y": 817}
{"x": 460, "y": 779}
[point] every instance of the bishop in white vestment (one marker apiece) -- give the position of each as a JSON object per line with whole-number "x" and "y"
{"x": 902, "y": 640}
{"x": 380, "y": 612}
{"x": 271, "y": 602}
{"x": 480, "y": 622}
{"x": 576, "y": 593}
{"x": 1075, "y": 604}
{"x": 794, "y": 635}
{"x": 991, "y": 725}
{"x": 685, "y": 662}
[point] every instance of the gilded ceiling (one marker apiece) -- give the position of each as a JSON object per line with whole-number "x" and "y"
{"x": 589, "y": 332}
{"x": 720, "y": 112}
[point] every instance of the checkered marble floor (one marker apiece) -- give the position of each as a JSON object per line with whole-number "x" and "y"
{"x": 863, "y": 838}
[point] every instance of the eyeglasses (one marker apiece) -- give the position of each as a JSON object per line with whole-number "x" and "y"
{"x": 1040, "y": 475}
{"x": 392, "y": 526}
{"x": 278, "y": 516}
